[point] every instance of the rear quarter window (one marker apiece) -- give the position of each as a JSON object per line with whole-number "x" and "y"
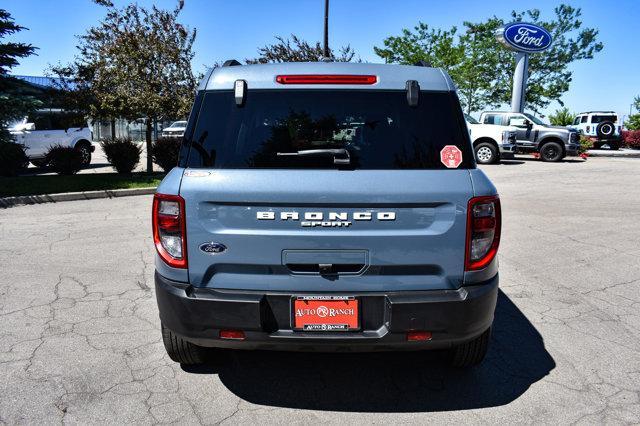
{"x": 603, "y": 118}
{"x": 378, "y": 129}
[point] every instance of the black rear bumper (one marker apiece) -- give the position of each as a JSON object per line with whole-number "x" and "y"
{"x": 452, "y": 316}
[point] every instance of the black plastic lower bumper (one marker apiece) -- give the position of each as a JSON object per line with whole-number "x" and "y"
{"x": 452, "y": 316}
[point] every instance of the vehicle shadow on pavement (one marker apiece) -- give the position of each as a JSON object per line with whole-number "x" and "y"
{"x": 564, "y": 160}
{"x": 509, "y": 163}
{"x": 392, "y": 382}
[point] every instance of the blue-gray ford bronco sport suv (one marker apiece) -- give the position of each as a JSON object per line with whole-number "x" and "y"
{"x": 326, "y": 207}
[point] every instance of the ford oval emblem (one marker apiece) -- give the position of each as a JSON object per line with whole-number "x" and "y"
{"x": 212, "y": 248}
{"x": 523, "y": 37}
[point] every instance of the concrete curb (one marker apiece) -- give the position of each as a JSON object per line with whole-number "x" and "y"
{"x": 73, "y": 196}
{"x": 615, "y": 154}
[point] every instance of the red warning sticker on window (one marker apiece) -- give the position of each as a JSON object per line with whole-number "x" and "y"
{"x": 451, "y": 156}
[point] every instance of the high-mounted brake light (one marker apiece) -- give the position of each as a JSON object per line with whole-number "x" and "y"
{"x": 326, "y": 79}
{"x": 483, "y": 231}
{"x": 169, "y": 229}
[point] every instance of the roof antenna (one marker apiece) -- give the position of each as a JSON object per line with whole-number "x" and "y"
{"x": 326, "y": 57}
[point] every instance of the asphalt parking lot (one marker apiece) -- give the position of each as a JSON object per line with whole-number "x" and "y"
{"x": 80, "y": 339}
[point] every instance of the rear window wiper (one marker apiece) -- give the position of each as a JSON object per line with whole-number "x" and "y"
{"x": 340, "y": 155}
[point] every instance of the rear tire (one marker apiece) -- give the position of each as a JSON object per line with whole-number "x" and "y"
{"x": 180, "y": 350}
{"x": 486, "y": 153}
{"x": 551, "y": 151}
{"x": 471, "y": 353}
{"x": 614, "y": 146}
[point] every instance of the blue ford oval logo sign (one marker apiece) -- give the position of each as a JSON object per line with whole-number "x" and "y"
{"x": 523, "y": 37}
{"x": 212, "y": 248}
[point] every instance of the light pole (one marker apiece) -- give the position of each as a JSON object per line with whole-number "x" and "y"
{"x": 325, "y": 53}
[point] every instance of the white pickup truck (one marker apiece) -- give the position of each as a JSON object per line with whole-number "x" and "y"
{"x": 46, "y": 128}
{"x": 491, "y": 143}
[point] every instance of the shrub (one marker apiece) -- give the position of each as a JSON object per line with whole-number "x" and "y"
{"x": 13, "y": 159}
{"x": 585, "y": 144}
{"x": 631, "y": 138}
{"x": 64, "y": 160}
{"x": 122, "y": 154}
{"x": 165, "y": 152}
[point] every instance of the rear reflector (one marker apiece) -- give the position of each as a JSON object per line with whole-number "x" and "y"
{"x": 232, "y": 334}
{"x": 418, "y": 336}
{"x": 326, "y": 79}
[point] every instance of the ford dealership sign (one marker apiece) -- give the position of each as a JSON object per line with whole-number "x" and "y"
{"x": 523, "y": 37}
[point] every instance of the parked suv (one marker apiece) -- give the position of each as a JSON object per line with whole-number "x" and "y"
{"x": 491, "y": 143}
{"x": 326, "y": 207}
{"x": 47, "y": 127}
{"x": 601, "y": 127}
{"x": 553, "y": 143}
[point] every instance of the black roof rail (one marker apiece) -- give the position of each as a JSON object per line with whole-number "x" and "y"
{"x": 231, "y": 63}
{"x": 422, "y": 63}
{"x": 601, "y": 112}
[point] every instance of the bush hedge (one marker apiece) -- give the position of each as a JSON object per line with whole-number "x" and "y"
{"x": 165, "y": 152}
{"x": 122, "y": 154}
{"x": 585, "y": 145}
{"x": 631, "y": 138}
{"x": 13, "y": 159}
{"x": 64, "y": 160}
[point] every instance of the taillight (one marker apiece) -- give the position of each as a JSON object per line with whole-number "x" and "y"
{"x": 326, "y": 79}
{"x": 169, "y": 230}
{"x": 483, "y": 231}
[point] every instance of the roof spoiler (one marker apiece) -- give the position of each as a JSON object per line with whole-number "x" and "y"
{"x": 422, "y": 63}
{"x": 231, "y": 63}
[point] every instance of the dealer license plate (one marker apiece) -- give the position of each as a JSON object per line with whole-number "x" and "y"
{"x": 325, "y": 313}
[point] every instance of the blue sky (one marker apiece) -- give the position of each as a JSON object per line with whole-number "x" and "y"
{"x": 234, "y": 29}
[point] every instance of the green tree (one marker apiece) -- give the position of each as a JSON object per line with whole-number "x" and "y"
{"x": 466, "y": 57}
{"x": 298, "y": 50}
{"x": 482, "y": 68}
{"x": 136, "y": 62}
{"x": 561, "y": 117}
{"x": 15, "y": 99}
{"x": 633, "y": 122}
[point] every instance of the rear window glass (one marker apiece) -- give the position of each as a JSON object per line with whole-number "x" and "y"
{"x": 601, "y": 118}
{"x": 493, "y": 119}
{"x": 377, "y": 129}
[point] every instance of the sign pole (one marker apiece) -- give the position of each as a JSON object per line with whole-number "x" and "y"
{"x": 524, "y": 38}
{"x": 519, "y": 82}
